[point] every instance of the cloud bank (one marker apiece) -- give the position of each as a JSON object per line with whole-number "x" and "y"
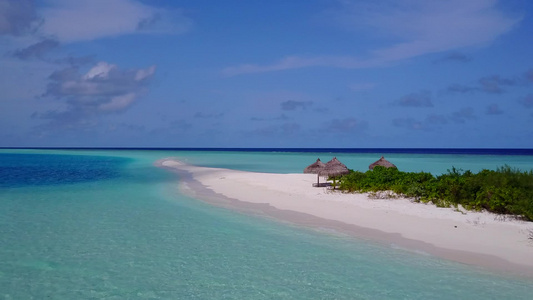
{"x": 70, "y": 21}
{"x": 17, "y": 17}
{"x": 103, "y": 89}
{"x": 411, "y": 28}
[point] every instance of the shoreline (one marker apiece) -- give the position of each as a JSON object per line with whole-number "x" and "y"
{"x": 472, "y": 238}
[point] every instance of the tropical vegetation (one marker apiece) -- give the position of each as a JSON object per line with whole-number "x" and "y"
{"x": 505, "y": 191}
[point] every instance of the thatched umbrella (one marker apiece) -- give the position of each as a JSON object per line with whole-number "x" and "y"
{"x": 334, "y": 168}
{"x": 315, "y": 168}
{"x": 382, "y": 162}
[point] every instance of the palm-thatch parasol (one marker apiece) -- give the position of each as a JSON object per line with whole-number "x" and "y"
{"x": 333, "y": 169}
{"x": 315, "y": 168}
{"x": 382, "y": 162}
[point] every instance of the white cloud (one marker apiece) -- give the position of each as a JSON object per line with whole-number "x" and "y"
{"x": 144, "y": 73}
{"x": 296, "y": 62}
{"x": 78, "y": 20}
{"x": 436, "y": 26}
{"x": 103, "y": 89}
{"x": 101, "y": 70}
{"x": 411, "y": 28}
{"x": 118, "y": 103}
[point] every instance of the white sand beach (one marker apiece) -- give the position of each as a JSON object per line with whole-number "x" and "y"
{"x": 476, "y": 238}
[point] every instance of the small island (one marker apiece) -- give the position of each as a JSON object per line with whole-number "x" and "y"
{"x": 475, "y": 237}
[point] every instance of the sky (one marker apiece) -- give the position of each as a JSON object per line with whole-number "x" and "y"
{"x": 276, "y": 74}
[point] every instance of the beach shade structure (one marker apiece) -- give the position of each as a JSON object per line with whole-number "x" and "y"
{"x": 315, "y": 168}
{"x": 382, "y": 162}
{"x": 334, "y": 168}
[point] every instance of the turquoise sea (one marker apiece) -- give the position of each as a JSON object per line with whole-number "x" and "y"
{"x": 108, "y": 224}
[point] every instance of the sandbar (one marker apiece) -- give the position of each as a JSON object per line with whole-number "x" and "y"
{"x": 476, "y": 238}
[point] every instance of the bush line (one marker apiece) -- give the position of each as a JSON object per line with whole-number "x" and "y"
{"x": 503, "y": 191}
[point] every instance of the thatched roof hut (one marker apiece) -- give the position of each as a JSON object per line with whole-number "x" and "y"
{"x": 382, "y": 162}
{"x": 334, "y": 168}
{"x": 315, "y": 167}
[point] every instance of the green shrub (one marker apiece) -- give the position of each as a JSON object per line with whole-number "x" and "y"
{"x": 503, "y": 191}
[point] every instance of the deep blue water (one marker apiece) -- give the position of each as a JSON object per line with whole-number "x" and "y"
{"x": 465, "y": 151}
{"x": 107, "y": 224}
{"x": 19, "y": 170}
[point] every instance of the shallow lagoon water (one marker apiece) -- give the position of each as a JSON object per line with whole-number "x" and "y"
{"x": 122, "y": 230}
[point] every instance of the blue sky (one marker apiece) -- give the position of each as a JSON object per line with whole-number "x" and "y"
{"x": 249, "y": 73}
